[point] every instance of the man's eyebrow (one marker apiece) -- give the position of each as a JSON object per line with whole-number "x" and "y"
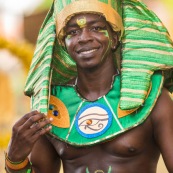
{"x": 74, "y": 24}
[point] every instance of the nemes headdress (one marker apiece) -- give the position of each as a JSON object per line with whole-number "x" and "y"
{"x": 145, "y": 48}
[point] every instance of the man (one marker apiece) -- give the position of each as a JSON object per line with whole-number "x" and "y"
{"x": 86, "y": 126}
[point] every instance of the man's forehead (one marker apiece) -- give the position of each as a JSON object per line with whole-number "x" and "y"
{"x": 90, "y": 18}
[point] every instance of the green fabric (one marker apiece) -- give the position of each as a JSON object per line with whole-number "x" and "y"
{"x": 65, "y": 93}
{"x": 146, "y": 47}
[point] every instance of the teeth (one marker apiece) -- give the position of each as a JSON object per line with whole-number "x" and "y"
{"x": 89, "y": 51}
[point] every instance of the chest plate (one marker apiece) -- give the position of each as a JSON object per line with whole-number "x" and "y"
{"x": 82, "y": 123}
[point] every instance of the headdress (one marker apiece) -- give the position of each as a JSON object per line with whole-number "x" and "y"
{"x": 145, "y": 47}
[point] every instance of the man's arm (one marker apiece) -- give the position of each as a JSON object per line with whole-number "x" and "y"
{"x": 162, "y": 120}
{"x": 28, "y": 136}
{"x": 44, "y": 157}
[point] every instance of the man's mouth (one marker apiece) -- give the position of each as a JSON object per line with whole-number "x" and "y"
{"x": 85, "y": 52}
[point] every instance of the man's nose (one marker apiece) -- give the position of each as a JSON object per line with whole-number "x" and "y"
{"x": 85, "y": 36}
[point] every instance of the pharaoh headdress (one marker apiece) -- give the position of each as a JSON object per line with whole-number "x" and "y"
{"x": 145, "y": 47}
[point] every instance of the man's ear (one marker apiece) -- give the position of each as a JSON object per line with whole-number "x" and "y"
{"x": 115, "y": 40}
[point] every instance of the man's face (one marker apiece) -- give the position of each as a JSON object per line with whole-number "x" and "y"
{"x": 89, "y": 39}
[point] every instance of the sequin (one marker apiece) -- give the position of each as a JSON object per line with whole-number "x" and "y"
{"x": 51, "y": 107}
{"x": 55, "y": 113}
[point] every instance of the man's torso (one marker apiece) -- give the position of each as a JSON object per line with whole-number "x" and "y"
{"x": 133, "y": 152}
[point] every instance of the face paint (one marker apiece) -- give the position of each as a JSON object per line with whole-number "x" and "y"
{"x": 105, "y": 32}
{"x": 68, "y": 36}
{"x": 81, "y": 22}
{"x": 109, "y": 44}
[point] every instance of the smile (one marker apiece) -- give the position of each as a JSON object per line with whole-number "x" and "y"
{"x": 87, "y": 52}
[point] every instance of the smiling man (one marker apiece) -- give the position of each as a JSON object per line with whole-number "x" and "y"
{"x": 93, "y": 114}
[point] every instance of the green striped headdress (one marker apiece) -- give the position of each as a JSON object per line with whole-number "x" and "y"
{"x": 146, "y": 47}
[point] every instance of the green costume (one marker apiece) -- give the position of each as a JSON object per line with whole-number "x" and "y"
{"x": 145, "y": 48}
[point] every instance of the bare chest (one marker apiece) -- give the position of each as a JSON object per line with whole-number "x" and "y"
{"x": 131, "y": 143}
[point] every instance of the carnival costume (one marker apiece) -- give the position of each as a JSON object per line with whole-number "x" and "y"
{"x": 146, "y": 47}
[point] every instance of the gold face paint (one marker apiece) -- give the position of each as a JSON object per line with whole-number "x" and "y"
{"x": 81, "y": 22}
{"x": 105, "y": 32}
{"x": 68, "y": 36}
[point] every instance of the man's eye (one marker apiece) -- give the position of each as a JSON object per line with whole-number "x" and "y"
{"x": 97, "y": 28}
{"x": 72, "y": 32}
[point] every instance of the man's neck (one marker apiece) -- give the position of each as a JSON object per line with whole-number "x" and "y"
{"x": 93, "y": 83}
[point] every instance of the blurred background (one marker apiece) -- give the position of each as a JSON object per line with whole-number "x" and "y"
{"x": 19, "y": 26}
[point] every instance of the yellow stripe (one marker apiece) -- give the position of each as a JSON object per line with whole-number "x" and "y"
{"x": 143, "y": 62}
{"x": 38, "y": 101}
{"x": 142, "y": 21}
{"x": 44, "y": 43}
{"x": 38, "y": 84}
{"x": 40, "y": 53}
{"x": 65, "y": 64}
{"x": 136, "y": 6}
{"x": 133, "y": 91}
{"x": 161, "y": 52}
{"x": 147, "y": 30}
{"x": 45, "y": 29}
{"x": 137, "y": 70}
{"x": 64, "y": 3}
{"x": 132, "y": 99}
{"x": 148, "y": 42}
{"x": 61, "y": 73}
{"x": 32, "y": 81}
{"x": 40, "y": 63}
{"x": 33, "y": 68}
{"x": 38, "y": 89}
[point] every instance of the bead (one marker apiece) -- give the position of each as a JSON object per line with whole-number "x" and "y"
{"x": 51, "y": 107}
{"x": 55, "y": 113}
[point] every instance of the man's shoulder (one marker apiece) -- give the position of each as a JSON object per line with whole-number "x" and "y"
{"x": 164, "y": 106}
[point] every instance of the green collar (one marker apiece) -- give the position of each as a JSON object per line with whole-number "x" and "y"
{"x": 83, "y": 123}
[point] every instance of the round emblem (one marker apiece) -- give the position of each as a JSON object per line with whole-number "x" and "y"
{"x": 93, "y": 120}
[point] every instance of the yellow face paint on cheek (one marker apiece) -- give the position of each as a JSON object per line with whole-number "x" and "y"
{"x": 68, "y": 36}
{"x": 105, "y": 32}
{"x": 81, "y": 22}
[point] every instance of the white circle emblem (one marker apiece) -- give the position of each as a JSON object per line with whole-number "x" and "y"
{"x": 93, "y": 120}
